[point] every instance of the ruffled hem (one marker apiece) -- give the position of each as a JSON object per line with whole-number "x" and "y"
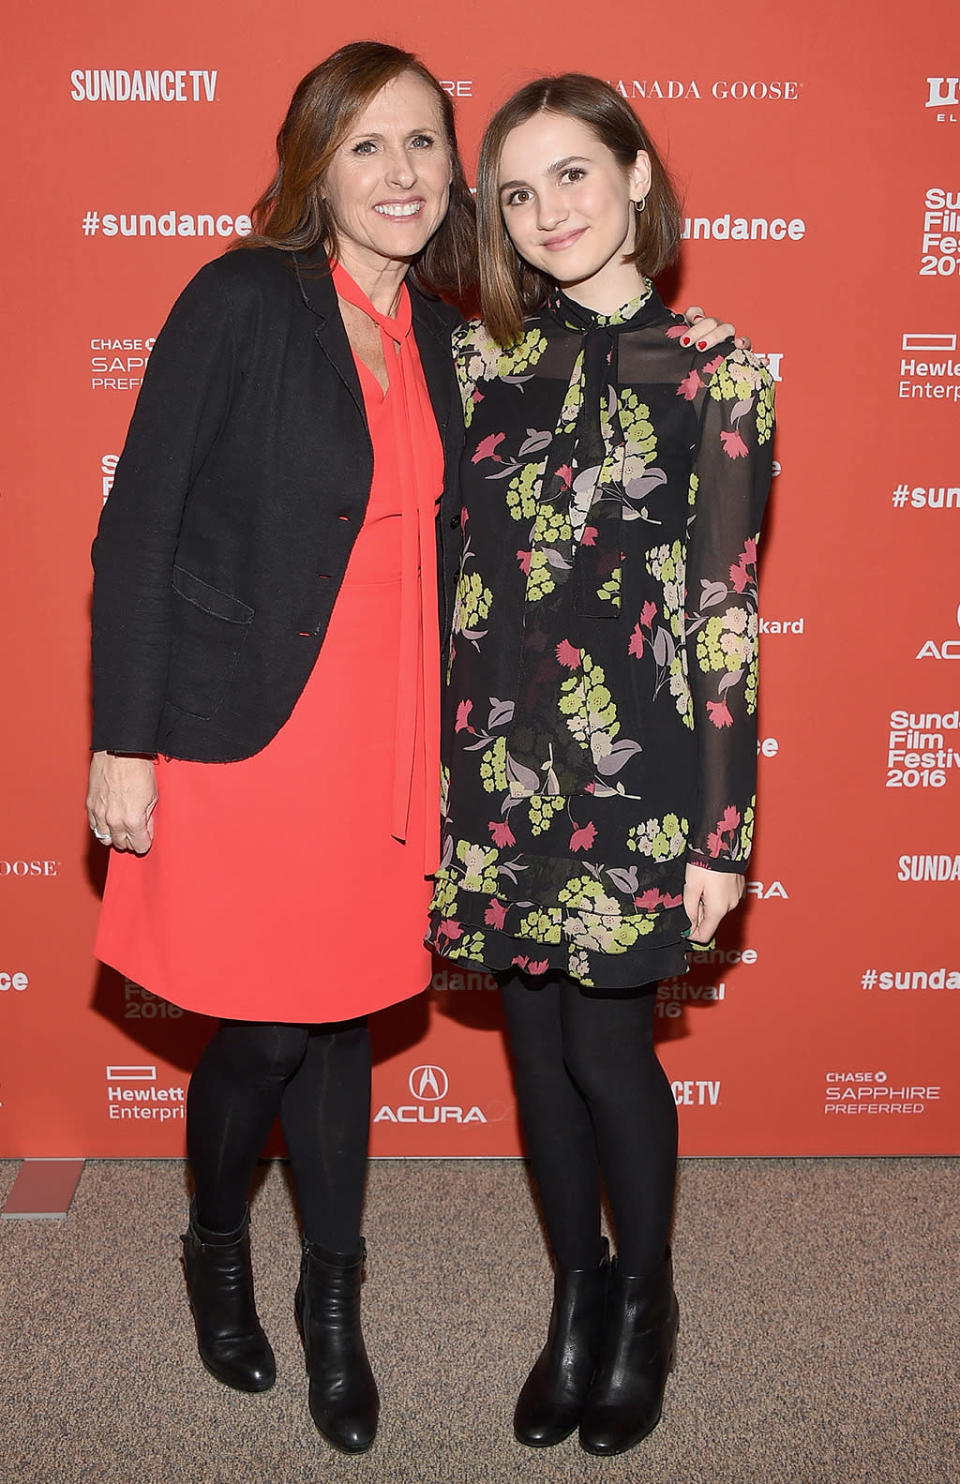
{"x": 494, "y": 952}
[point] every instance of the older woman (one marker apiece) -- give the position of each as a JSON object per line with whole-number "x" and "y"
{"x": 282, "y": 529}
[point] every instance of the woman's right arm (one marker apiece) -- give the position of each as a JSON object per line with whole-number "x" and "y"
{"x": 179, "y": 413}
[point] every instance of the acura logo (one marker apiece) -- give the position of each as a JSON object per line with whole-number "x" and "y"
{"x": 429, "y": 1084}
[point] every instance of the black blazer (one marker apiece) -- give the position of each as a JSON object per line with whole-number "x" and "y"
{"x": 236, "y": 502}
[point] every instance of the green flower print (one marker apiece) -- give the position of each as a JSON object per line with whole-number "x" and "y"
{"x": 493, "y": 767}
{"x": 479, "y": 866}
{"x": 472, "y": 603}
{"x": 445, "y": 893}
{"x": 609, "y": 591}
{"x": 588, "y": 706}
{"x": 596, "y": 921}
{"x": 662, "y": 839}
{"x": 680, "y": 687}
{"x": 746, "y": 831}
{"x": 469, "y": 946}
{"x": 667, "y": 565}
{"x": 552, "y": 526}
{"x": 738, "y": 377}
{"x": 573, "y": 400}
{"x": 635, "y": 424}
{"x": 542, "y": 809}
{"x": 724, "y": 642}
{"x": 692, "y": 490}
{"x": 521, "y": 499}
{"x": 764, "y": 412}
{"x": 543, "y": 925}
{"x": 540, "y": 578}
{"x": 750, "y": 680}
{"x": 522, "y": 356}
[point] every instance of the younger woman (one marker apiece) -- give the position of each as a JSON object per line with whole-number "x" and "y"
{"x": 600, "y": 732}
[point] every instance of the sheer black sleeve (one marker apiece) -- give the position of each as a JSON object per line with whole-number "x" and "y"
{"x": 728, "y": 493}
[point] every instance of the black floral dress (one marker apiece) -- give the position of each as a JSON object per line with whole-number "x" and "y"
{"x": 599, "y": 728}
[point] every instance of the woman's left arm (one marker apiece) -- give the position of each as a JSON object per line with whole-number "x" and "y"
{"x": 729, "y": 491}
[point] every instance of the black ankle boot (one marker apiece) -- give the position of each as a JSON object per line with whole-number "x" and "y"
{"x": 232, "y": 1345}
{"x": 636, "y": 1356}
{"x": 344, "y": 1402}
{"x": 551, "y": 1401}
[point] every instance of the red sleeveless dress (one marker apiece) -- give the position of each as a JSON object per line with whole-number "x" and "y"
{"x": 294, "y": 885}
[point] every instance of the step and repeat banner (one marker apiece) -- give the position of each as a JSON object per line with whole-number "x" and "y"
{"x": 818, "y": 150}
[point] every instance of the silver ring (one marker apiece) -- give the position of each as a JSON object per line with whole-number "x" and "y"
{"x": 102, "y": 837}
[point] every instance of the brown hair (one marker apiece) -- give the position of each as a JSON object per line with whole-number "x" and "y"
{"x": 292, "y": 215}
{"x": 511, "y": 287}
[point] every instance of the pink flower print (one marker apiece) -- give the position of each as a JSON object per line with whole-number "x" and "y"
{"x": 487, "y": 448}
{"x": 583, "y": 836}
{"x": 566, "y": 474}
{"x": 495, "y": 915}
{"x": 520, "y": 962}
{"x": 733, "y": 445}
{"x": 636, "y": 642}
{"x": 648, "y": 900}
{"x": 567, "y": 655}
{"x": 739, "y": 574}
{"x": 538, "y": 966}
{"x": 450, "y": 930}
{"x": 725, "y": 826}
{"x": 690, "y": 385}
{"x": 675, "y": 331}
{"x": 711, "y": 366}
{"x": 523, "y": 557}
{"x": 463, "y": 717}
{"x": 719, "y": 714}
{"x": 648, "y": 613}
{"x": 589, "y": 537}
{"x": 671, "y": 901}
{"x": 501, "y": 833}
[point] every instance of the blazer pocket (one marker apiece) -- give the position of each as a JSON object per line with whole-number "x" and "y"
{"x": 208, "y": 632}
{"x": 210, "y": 599}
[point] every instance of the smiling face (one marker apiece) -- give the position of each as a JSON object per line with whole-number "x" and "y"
{"x": 388, "y": 184}
{"x": 567, "y": 204}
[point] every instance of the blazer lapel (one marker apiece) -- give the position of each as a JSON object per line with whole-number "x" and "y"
{"x": 320, "y": 297}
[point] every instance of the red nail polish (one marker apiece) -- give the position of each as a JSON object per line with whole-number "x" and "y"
{"x": 684, "y": 339}
{"x": 701, "y": 345}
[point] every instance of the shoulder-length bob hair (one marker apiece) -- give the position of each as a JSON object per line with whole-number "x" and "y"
{"x": 292, "y": 215}
{"x": 510, "y": 287}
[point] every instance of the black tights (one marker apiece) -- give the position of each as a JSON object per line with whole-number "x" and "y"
{"x": 595, "y": 1104}
{"x": 317, "y": 1077}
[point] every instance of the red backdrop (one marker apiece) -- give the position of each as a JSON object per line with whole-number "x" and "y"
{"x": 818, "y": 150}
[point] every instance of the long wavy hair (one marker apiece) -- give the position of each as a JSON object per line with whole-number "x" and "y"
{"x": 292, "y": 215}
{"x": 511, "y": 287}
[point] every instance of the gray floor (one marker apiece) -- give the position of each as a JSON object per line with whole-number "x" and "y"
{"x": 819, "y": 1332}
